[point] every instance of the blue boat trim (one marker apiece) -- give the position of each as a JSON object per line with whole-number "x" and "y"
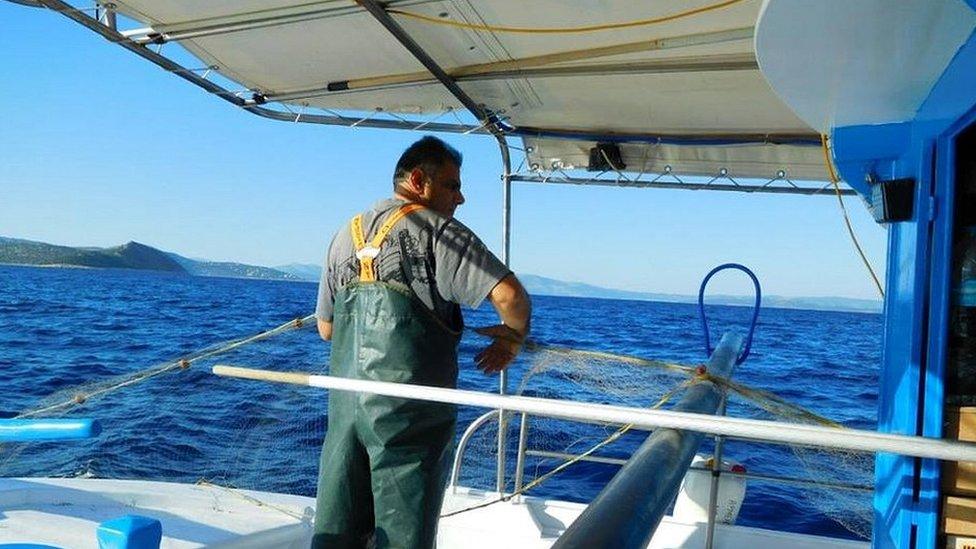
{"x": 912, "y": 384}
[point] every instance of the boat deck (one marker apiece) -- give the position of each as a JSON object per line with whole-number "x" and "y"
{"x": 66, "y": 512}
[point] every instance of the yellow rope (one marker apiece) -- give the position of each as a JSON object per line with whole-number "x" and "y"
{"x": 847, "y": 221}
{"x": 543, "y": 30}
{"x": 773, "y": 403}
{"x": 764, "y": 399}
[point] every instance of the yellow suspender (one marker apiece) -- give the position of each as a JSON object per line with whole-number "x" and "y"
{"x": 366, "y": 254}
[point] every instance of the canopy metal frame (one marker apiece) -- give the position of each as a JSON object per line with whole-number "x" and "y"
{"x": 781, "y": 184}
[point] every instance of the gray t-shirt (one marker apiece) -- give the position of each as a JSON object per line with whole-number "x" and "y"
{"x": 441, "y": 260}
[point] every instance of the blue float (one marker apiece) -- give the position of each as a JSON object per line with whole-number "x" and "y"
{"x": 37, "y": 430}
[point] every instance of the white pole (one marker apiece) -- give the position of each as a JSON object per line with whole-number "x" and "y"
{"x": 500, "y": 480}
{"x": 750, "y": 429}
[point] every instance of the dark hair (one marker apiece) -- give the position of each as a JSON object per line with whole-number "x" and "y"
{"x": 429, "y": 154}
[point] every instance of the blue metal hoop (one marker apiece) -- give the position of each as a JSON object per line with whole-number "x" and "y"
{"x": 755, "y": 312}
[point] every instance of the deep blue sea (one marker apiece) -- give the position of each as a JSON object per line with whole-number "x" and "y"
{"x": 62, "y": 329}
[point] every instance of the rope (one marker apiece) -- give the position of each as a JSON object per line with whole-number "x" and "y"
{"x": 254, "y": 500}
{"x": 847, "y": 221}
{"x": 583, "y": 29}
{"x": 755, "y": 311}
{"x": 765, "y": 400}
{"x": 176, "y": 365}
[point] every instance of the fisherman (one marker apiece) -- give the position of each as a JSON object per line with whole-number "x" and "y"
{"x": 389, "y": 298}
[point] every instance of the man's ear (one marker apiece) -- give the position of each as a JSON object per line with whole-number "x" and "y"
{"x": 417, "y": 180}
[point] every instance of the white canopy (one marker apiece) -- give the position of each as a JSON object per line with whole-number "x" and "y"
{"x": 687, "y": 83}
{"x": 675, "y": 84}
{"x": 692, "y": 76}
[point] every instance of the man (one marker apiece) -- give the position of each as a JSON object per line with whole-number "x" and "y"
{"x": 389, "y": 301}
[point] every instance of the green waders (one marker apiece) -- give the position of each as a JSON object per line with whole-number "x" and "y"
{"x": 384, "y": 461}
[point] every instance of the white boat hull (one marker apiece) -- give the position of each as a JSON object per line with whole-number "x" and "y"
{"x": 66, "y": 513}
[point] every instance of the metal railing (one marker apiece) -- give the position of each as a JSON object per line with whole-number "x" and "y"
{"x": 715, "y": 469}
{"x": 736, "y": 428}
{"x": 606, "y": 460}
{"x": 649, "y": 480}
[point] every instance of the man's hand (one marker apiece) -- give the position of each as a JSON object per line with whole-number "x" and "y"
{"x": 501, "y": 351}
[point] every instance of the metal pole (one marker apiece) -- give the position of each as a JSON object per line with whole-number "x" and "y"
{"x": 107, "y": 16}
{"x": 378, "y": 11}
{"x": 500, "y": 480}
{"x": 463, "y": 446}
{"x": 627, "y": 512}
{"x": 713, "y": 488}
{"x": 815, "y": 436}
{"x": 506, "y": 200}
{"x": 520, "y": 460}
{"x": 743, "y": 188}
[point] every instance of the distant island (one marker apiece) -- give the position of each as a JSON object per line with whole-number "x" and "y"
{"x": 131, "y": 255}
{"x": 134, "y": 255}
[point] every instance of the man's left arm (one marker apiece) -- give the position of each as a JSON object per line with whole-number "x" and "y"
{"x": 467, "y": 273}
{"x": 514, "y": 308}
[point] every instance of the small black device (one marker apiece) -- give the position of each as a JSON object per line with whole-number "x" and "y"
{"x": 604, "y": 157}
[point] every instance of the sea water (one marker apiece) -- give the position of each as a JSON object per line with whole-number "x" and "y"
{"x": 61, "y": 328}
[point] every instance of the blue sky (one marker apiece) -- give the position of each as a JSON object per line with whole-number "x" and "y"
{"x": 98, "y": 147}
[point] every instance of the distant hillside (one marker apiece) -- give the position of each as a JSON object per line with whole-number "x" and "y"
{"x": 227, "y": 269}
{"x": 539, "y": 285}
{"x": 131, "y": 255}
{"x": 304, "y": 271}
{"x": 134, "y": 255}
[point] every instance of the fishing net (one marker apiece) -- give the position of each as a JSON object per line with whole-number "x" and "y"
{"x": 176, "y": 422}
{"x": 267, "y": 437}
{"x": 835, "y": 483}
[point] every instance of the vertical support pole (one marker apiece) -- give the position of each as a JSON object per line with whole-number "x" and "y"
{"x": 713, "y": 489}
{"x": 500, "y": 480}
{"x": 506, "y": 201}
{"x": 520, "y": 459}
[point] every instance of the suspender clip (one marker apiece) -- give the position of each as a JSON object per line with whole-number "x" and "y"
{"x": 367, "y": 252}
